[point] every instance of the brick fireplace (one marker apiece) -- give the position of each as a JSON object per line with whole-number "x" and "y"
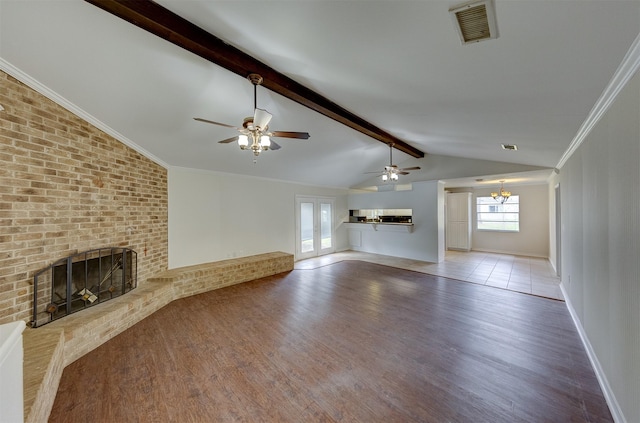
{"x": 67, "y": 187}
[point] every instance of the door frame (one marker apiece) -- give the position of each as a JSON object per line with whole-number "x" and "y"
{"x": 558, "y": 231}
{"x": 317, "y": 236}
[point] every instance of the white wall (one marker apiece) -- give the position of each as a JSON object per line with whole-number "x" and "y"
{"x": 600, "y": 253}
{"x": 425, "y": 243}
{"x": 533, "y": 238}
{"x": 215, "y": 216}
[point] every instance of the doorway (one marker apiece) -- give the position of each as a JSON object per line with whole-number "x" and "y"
{"x": 315, "y": 232}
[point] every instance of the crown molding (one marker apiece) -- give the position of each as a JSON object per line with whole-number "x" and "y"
{"x": 60, "y": 100}
{"x": 629, "y": 66}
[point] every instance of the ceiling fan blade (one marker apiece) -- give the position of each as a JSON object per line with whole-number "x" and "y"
{"x": 215, "y": 123}
{"x": 261, "y": 118}
{"x": 274, "y": 145}
{"x": 402, "y": 173}
{"x": 289, "y": 134}
{"x": 228, "y": 140}
{"x": 410, "y": 168}
{"x": 378, "y": 172}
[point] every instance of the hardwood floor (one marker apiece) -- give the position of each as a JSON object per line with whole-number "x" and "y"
{"x": 351, "y": 341}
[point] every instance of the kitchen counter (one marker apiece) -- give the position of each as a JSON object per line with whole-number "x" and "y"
{"x": 395, "y": 226}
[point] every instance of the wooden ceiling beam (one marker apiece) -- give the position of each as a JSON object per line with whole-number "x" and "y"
{"x": 160, "y": 21}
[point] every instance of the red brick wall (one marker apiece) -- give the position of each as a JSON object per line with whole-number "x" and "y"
{"x": 66, "y": 187}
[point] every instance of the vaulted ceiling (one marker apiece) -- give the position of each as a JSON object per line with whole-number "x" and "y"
{"x": 397, "y": 65}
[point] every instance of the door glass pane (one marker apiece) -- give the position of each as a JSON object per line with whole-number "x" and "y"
{"x": 306, "y": 227}
{"x": 325, "y": 226}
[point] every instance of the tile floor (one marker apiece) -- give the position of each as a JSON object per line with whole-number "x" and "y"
{"x": 531, "y": 275}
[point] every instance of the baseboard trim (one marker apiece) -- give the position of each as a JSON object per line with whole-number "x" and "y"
{"x": 614, "y": 407}
{"x": 510, "y": 252}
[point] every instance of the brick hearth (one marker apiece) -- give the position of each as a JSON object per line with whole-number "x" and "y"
{"x": 50, "y": 348}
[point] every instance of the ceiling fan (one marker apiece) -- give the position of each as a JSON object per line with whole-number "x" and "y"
{"x": 256, "y": 128}
{"x": 391, "y": 172}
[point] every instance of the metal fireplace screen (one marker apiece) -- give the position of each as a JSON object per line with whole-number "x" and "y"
{"x": 82, "y": 281}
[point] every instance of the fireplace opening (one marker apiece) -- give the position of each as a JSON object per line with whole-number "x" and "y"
{"x": 81, "y": 281}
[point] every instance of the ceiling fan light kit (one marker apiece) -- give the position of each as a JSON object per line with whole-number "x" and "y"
{"x": 389, "y": 176}
{"x": 256, "y": 128}
{"x": 392, "y": 172}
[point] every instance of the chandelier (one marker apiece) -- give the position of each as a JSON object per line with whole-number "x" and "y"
{"x": 501, "y": 196}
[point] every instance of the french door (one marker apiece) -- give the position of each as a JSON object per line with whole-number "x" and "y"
{"x": 315, "y": 234}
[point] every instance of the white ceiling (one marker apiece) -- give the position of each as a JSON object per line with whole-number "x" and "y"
{"x": 398, "y": 64}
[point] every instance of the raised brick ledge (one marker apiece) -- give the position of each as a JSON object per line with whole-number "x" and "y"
{"x": 47, "y": 350}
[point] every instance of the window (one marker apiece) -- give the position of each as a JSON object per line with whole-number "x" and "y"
{"x": 493, "y": 216}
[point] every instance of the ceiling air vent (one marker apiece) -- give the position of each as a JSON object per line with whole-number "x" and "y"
{"x": 509, "y": 147}
{"x": 475, "y": 21}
